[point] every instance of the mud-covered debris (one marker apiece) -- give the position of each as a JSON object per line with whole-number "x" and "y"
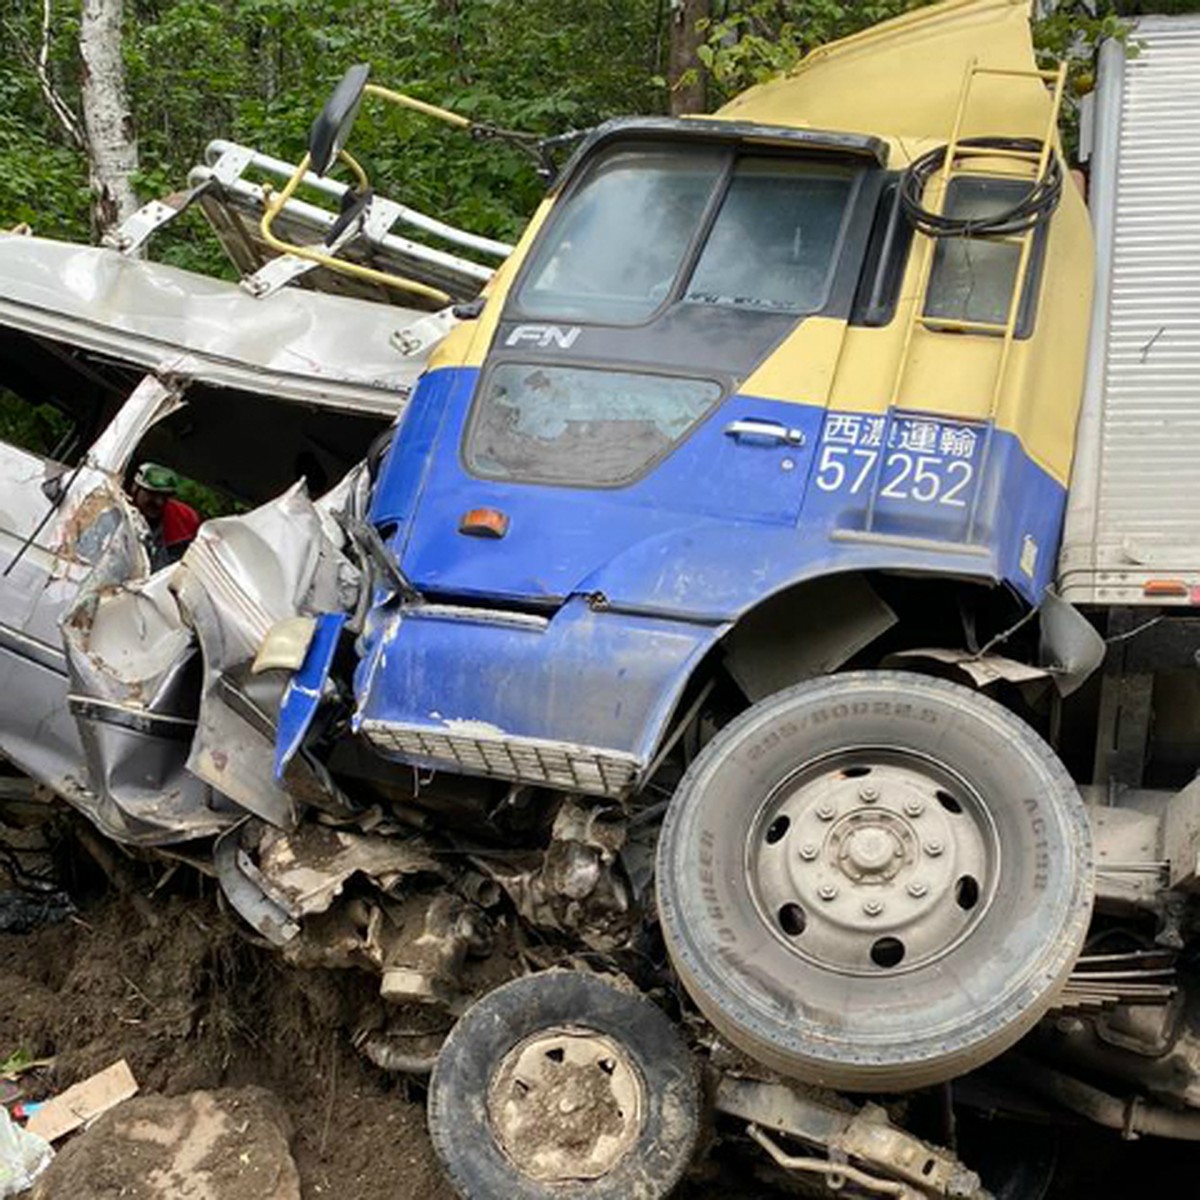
{"x": 224, "y": 1145}
{"x": 578, "y": 884}
{"x": 23, "y": 912}
{"x": 309, "y": 868}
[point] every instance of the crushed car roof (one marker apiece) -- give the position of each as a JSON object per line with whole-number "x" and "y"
{"x": 298, "y": 344}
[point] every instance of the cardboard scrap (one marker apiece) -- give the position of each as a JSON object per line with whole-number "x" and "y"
{"x": 83, "y": 1102}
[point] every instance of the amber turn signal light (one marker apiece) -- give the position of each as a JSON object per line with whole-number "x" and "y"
{"x": 484, "y": 522}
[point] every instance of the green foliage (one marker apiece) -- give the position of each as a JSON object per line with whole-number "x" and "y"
{"x": 208, "y": 501}
{"x": 43, "y": 176}
{"x": 1075, "y": 35}
{"x": 39, "y": 428}
{"x": 753, "y": 41}
{"x": 258, "y": 71}
{"x": 19, "y": 1060}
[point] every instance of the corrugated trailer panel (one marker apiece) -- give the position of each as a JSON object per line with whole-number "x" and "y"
{"x": 1134, "y": 510}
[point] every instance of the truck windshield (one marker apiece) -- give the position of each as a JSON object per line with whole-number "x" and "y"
{"x": 621, "y": 243}
{"x": 775, "y": 238}
{"x": 615, "y": 252}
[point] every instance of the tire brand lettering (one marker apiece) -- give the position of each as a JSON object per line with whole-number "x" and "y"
{"x": 767, "y": 987}
{"x": 708, "y": 880}
{"x": 1041, "y": 847}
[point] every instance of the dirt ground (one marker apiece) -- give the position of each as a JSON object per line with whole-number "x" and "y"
{"x": 191, "y": 1005}
{"x": 175, "y": 988}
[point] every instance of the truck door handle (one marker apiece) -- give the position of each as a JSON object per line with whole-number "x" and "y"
{"x": 764, "y": 431}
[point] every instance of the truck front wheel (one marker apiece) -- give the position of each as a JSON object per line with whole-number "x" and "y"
{"x": 875, "y": 881}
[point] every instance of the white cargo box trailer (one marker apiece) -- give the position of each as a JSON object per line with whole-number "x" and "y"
{"x": 1132, "y": 531}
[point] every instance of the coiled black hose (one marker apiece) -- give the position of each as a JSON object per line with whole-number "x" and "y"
{"x": 1031, "y": 210}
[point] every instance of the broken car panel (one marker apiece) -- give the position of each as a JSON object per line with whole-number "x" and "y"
{"x": 111, "y": 671}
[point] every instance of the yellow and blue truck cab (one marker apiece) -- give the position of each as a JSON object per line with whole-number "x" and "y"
{"x": 725, "y": 361}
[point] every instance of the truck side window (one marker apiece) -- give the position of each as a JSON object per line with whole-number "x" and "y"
{"x": 884, "y": 263}
{"x": 973, "y": 277}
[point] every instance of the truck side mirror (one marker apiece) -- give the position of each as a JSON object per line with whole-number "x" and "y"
{"x": 332, "y": 128}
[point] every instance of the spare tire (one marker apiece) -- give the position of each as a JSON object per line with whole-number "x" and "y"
{"x": 875, "y": 881}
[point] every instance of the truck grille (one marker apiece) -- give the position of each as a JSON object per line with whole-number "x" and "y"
{"x": 588, "y": 769}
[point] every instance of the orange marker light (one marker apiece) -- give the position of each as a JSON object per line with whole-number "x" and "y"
{"x": 484, "y": 522}
{"x": 1165, "y": 587}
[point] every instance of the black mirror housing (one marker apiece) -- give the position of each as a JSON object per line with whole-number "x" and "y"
{"x": 331, "y": 129}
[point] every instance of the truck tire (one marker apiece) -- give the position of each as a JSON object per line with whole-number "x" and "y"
{"x": 560, "y": 1086}
{"x": 875, "y": 881}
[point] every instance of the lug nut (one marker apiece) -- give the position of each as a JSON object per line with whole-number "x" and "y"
{"x": 826, "y": 812}
{"x": 872, "y": 907}
{"x": 914, "y": 807}
{"x": 827, "y": 891}
{"x": 933, "y": 847}
{"x": 808, "y": 852}
{"x": 868, "y": 792}
{"x": 917, "y": 889}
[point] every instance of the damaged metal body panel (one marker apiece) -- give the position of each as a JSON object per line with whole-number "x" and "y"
{"x": 525, "y": 698}
{"x": 240, "y": 577}
{"x": 66, "y": 535}
{"x": 133, "y": 702}
{"x": 123, "y": 690}
{"x": 328, "y": 350}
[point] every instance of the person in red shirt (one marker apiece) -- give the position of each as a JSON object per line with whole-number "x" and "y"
{"x": 172, "y": 523}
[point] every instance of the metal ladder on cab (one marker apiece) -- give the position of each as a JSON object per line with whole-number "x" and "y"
{"x": 956, "y": 164}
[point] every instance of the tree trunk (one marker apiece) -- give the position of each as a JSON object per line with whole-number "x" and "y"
{"x": 111, "y": 145}
{"x": 685, "y": 75}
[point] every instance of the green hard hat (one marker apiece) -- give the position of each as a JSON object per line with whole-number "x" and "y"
{"x": 154, "y": 477}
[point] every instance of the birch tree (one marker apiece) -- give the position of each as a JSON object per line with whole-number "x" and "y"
{"x": 107, "y": 120}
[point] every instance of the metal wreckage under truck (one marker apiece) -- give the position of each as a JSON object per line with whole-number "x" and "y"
{"x": 702, "y": 693}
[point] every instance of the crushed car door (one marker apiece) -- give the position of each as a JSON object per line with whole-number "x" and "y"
{"x": 66, "y": 535}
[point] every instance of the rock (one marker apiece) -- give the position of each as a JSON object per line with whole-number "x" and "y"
{"x": 223, "y": 1145}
